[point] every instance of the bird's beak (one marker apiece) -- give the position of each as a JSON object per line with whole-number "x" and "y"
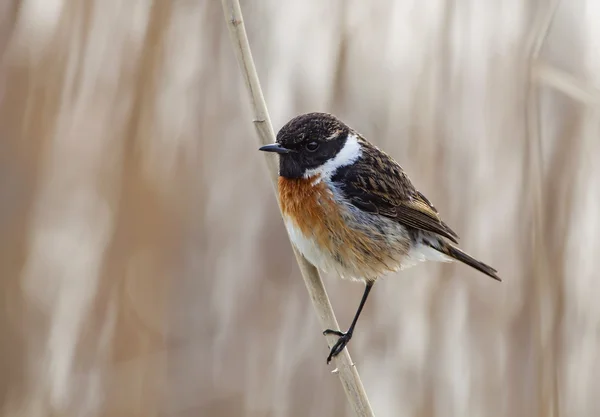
{"x": 274, "y": 147}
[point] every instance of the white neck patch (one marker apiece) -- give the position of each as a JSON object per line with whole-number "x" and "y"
{"x": 346, "y": 156}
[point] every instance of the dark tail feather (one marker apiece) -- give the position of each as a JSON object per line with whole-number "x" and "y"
{"x": 465, "y": 258}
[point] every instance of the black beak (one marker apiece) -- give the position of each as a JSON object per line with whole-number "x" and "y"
{"x": 274, "y": 147}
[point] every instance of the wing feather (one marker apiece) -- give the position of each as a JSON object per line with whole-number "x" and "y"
{"x": 376, "y": 183}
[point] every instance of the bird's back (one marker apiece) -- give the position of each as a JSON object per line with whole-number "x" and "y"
{"x": 377, "y": 184}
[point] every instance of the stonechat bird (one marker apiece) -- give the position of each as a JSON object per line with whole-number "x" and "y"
{"x": 349, "y": 208}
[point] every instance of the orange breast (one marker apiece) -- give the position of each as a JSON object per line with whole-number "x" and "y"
{"x": 351, "y": 248}
{"x": 311, "y": 207}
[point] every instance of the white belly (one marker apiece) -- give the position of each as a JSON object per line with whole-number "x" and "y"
{"x": 309, "y": 248}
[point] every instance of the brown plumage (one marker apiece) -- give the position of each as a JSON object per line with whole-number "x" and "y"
{"x": 351, "y": 209}
{"x": 377, "y": 184}
{"x": 310, "y": 209}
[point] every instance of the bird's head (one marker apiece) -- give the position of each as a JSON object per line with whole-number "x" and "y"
{"x": 313, "y": 144}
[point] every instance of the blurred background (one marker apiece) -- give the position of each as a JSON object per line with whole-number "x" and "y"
{"x": 144, "y": 267}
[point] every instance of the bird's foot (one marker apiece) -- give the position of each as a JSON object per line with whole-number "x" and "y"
{"x": 341, "y": 343}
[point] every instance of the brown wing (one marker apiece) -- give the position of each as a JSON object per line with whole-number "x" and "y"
{"x": 377, "y": 184}
{"x": 421, "y": 215}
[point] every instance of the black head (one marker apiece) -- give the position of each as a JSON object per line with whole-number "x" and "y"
{"x": 307, "y": 142}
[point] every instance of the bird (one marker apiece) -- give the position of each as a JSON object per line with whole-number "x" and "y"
{"x": 350, "y": 209}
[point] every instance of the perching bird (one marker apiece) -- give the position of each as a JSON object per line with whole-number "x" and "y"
{"x": 349, "y": 208}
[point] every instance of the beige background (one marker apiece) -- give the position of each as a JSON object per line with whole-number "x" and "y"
{"x": 145, "y": 269}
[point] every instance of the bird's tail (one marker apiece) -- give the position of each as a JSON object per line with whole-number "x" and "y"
{"x": 455, "y": 253}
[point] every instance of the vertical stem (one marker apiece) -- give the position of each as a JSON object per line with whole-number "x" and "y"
{"x": 546, "y": 366}
{"x": 346, "y": 370}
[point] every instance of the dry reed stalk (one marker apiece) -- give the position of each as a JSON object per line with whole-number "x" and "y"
{"x": 546, "y": 365}
{"x": 345, "y": 368}
{"x": 567, "y": 84}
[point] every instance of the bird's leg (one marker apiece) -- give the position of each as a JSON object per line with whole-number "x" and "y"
{"x": 345, "y": 337}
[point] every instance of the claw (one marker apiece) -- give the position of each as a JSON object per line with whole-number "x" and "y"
{"x": 344, "y": 338}
{"x": 335, "y": 332}
{"x": 339, "y": 345}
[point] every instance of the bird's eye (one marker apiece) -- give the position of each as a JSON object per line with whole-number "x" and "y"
{"x": 312, "y": 146}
